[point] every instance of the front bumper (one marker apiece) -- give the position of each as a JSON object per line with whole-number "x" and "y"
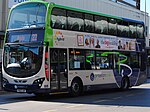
{"x": 21, "y": 88}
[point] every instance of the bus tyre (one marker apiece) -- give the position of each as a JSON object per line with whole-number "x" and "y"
{"x": 76, "y": 87}
{"x": 125, "y": 83}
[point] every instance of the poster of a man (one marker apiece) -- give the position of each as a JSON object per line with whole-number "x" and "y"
{"x": 97, "y": 44}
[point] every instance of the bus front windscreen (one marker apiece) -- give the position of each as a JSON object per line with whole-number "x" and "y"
{"x": 22, "y": 60}
{"x": 31, "y": 15}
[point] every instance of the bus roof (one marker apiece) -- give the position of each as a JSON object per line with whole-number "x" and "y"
{"x": 97, "y": 13}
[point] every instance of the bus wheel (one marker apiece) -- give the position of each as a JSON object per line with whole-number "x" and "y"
{"x": 125, "y": 83}
{"x": 76, "y": 87}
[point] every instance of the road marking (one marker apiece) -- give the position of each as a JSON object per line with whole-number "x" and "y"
{"x": 50, "y": 111}
{"x": 99, "y": 101}
{"x": 3, "y": 109}
{"x": 117, "y": 98}
{"x": 130, "y": 95}
{"x": 75, "y": 105}
{"x": 57, "y": 93}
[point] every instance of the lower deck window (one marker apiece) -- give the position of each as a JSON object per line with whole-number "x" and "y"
{"x": 88, "y": 60}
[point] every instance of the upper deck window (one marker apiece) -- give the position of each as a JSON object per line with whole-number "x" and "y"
{"x": 133, "y": 32}
{"x": 112, "y": 26}
{"x": 89, "y": 23}
{"x": 101, "y": 25}
{"x": 140, "y": 31}
{"x": 58, "y": 18}
{"x": 28, "y": 16}
{"x": 123, "y": 29}
{"x": 75, "y": 21}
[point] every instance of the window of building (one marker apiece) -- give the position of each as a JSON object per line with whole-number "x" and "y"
{"x": 58, "y": 19}
{"x": 75, "y": 21}
{"x": 89, "y": 23}
{"x": 112, "y": 26}
{"x": 101, "y": 25}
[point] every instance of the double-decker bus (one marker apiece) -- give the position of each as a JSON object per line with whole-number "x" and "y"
{"x": 53, "y": 48}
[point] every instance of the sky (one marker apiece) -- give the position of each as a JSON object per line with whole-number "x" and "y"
{"x": 147, "y": 5}
{"x": 147, "y": 8}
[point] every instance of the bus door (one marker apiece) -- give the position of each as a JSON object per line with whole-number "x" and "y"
{"x": 59, "y": 72}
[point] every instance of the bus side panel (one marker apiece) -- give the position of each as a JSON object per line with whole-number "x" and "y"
{"x": 93, "y": 78}
{"x": 123, "y": 72}
{"x": 142, "y": 76}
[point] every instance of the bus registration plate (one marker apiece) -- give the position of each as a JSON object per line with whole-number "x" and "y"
{"x": 21, "y": 91}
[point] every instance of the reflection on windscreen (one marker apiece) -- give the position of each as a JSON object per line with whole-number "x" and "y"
{"x": 28, "y": 16}
{"x": 22, "y": 61}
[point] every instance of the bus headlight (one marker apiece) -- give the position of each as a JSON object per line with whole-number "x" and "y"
{"x": 5, "y": 81}
{"x": 39, "y": 82}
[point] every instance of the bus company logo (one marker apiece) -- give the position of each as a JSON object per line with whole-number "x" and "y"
{"x": 98, "y": 76}
{"x": 59, "y": 36}
{"x": 92, "y": 76}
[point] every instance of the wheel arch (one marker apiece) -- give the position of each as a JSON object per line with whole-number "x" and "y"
{"x": 79, "y": 79}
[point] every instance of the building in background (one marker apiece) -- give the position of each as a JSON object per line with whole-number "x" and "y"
{"x": 3, "y": 19}
{"x": 132, "y": 3}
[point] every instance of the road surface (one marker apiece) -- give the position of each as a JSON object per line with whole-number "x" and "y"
{"x": 136, "y": 99}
